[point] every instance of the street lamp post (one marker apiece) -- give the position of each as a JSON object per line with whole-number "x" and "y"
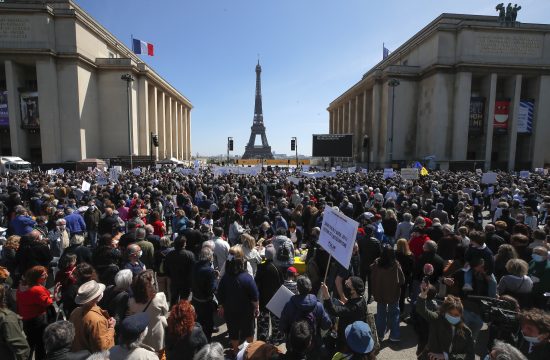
{"x": 295, "y": 139}
{"x": 129, "y": 78}
{"x": 229, "y": 147}
{"x": 393, "y": 83}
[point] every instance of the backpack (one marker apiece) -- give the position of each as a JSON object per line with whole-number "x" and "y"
{"x": 284, "y": 252}
{"x": 310, "y": 319}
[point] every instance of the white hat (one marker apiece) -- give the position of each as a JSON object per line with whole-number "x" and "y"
{"x": 89, "y": 291}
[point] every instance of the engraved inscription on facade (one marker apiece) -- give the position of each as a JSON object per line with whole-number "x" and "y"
{"x": 14, "y": 28}
{"x": 509, "y": 45}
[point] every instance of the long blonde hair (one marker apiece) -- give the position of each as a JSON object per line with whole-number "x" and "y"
{"x": 403, "y": 247}
{"x": 248, "y": 241}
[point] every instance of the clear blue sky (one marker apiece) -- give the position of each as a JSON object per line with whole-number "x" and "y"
{"x": 310, "y": 51}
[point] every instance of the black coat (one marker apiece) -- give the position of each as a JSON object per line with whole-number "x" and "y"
{"x": 33, "y": 254}
{"x": 186, "y": 347}
{"x": 353, "y": 310}
{"x": 65, "y": 354}
{"x": 178, "y": 266}
{"x": 83, "y": 254}
{"x": 369, "y": 250}
{"x": 268, "y": 280}
{"x": 431, "y": 258}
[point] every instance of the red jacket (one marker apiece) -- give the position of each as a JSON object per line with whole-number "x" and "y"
{"x": 33, "y": 302}
{"x": 416, "y": 244}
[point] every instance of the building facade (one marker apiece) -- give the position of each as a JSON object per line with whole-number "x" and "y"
{"x": 61, "y": 93}
{"x": 464, "y": 90}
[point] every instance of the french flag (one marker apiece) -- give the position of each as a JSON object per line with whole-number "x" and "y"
{"x": 142, "y": 47}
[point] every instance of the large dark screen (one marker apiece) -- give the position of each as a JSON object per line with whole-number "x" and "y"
{"x": 332, "y": 145}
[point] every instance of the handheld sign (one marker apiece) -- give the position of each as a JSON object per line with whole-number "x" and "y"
{"x": 524, "y": 174}
{"x": 388, "y": 173}
{"x": 85, "y": 186}
{"x": 489, "y": 178}
{"x": 279, "y": 300}
{"x": 409, "y": 174}
{"x": 338, "y": 233}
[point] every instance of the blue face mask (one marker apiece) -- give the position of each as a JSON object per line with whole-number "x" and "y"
{"x": 453, "y": 320}
{"x": 537, "y": 258}
{"x": 531, "y": 339}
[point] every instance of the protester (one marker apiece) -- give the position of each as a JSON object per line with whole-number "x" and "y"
{"x": 13, "y": 345}
{"x": 184, "y": 336}
{"x": 205, "y": 283}
{"x": 131, "y": 347}
{"x": 178, "y": 266}
{"x": 58, "y": 338}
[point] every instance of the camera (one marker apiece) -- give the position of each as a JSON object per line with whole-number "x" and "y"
{"x": 501, "y": 314}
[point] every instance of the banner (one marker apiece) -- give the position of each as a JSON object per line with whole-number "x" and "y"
{"x": 338, "y": 233}
{"x": 114, "y": 174}
{"x": 524, "y": 174}
{"x": 4, "y": 115}
{"x": 409, "y": 173}
{"x": 502, "y": 113}
{"x": 477, "y": 111}
{"x": 30, "y": 119}
{"x": 101, "y": 179}
{"x": 85, "y": 186}
{"x": 525, "y": 116}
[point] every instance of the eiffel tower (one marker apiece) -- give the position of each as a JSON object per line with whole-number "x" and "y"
{"x": 261, "y": 151}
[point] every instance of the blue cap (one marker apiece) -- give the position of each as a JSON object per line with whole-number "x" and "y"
{"x": 359, "y": 337}
{"x": 135, "y": 324}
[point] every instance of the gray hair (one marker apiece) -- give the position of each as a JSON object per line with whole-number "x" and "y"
{"x": 103, "y": 355}
{"x": 206, "y": 254}
{"x": 431, "y": 245}
{"x": 58, "y": 335}
{"x": 165, "y": 241}
{"x": 209, "y": 244}
{"x": 61, "y": 222}
{"x": 504, "y": 351}
{"x": 407, "y": 217}
{"x": 149, "y": 229}
{"x": 123, "y": 279}
{"x": 213, "y": 351}
{"x": 77, "y": 239}
{"x": 304, "y": 285}
{"x": 140, "y": 233}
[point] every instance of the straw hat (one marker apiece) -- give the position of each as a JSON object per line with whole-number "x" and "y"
{"x": 89, "y": 291}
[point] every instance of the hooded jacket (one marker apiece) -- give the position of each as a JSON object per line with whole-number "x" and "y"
{"x": 386, "y": 283}
{"x": 298, "y": 307}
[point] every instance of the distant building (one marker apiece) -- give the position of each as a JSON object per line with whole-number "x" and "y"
{"x": 470, "y": 90}
{"x": 61, "y": 93}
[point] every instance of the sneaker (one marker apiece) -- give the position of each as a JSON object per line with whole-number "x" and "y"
{"x": 467, "y": 287}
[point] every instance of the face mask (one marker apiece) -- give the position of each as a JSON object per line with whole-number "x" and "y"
{"x": 531, "y": 339}
{"x": 537, "y": 258}
{"x": 453, "y": 320}
{"x": 347, "y": 292}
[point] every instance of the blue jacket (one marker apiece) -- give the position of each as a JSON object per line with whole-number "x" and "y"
{"x": 22, "y": 225}
{"x": 298, "y": 307}
{"x": 75, "y": 223}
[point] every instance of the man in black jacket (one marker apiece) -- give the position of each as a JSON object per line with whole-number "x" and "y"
{"x": 355, "y": 309}
{"x": 369, "y": 250}
{"x": 178, "y": 266}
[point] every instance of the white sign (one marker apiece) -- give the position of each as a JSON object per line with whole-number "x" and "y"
{"x": 409, "y": 174}
{"x": 113, "y": 174}
{"x": 279, "y": 300}
{"x": 490, "y": 190}
{"x": 89, "y": 169}
{"x": 305, "y": 167}
{"x": 85, "y": 186}
{"x": 352, "y": 169}
{"x": 338, "y": 233}
{"x": 50, "y": 172}
{"x": 137, "y": 171}
{"x": 338, "y": 168}
{"x": 101, "y": 179}
{"x": 365, "y": 171}
{"x": 294, "y": 180}
{"x": 489, "y": 178}
{"x": 60, "y": 171}
{"x": 524, "y": 174}
{"x": 5, "y": 182}
{"x": 388, "y": 173}
{"x": 158, "y": 166}
{"x": 118, "y": 168}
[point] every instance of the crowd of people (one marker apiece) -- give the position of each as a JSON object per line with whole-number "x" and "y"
{"x": 156, "y": 265}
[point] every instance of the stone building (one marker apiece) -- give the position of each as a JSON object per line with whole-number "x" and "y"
{"x": 468, "y": 89}
{"x": 61, "y": 93}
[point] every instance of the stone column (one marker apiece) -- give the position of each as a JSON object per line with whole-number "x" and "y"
{"x": 175, "y": 146}
{"x": 18, "y": 136}
{"x": 153, "y": 113}
{"x": 356, "y": 131}
{"x": 189, "y": 134}
{"x": 48, "y": 104}
{"x": 490, "y": 111}
{"x": 161, "y": 112}
{"x": 330, "y": 122}
{"x": 541, "y": 128}
{"x": 364, "y": 126}
{"x": 513, "y": 127}
{"x": 143, "y": 132}
{"x": 337, "y": 121}
{"x": 376, "y": 119}
{"x": 181, "y": 140}
{"x": 168, "y": 126}
{"x": 461, "y": 118}
{"x": 342, "y": 120}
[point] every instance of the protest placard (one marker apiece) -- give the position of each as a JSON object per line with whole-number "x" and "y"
{"x": 293, "y": 180}
{"x": 338, "y": 233}
{"x": 85, "y": 186}
{"x": 101, "y": 179}
{"x": 524, "y": 174}
{"x": 279, "y": 300}
{"x": 388, "y": 173}
{"x": 489, "y": 178}
{"x": 136, "y": 171}
{"x": 60, "y": 171}
{"x": 409, "y": 173}
{"x": 113, "y": 174}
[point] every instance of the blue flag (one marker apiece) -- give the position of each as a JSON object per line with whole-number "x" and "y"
{"x": 417, "y": 165}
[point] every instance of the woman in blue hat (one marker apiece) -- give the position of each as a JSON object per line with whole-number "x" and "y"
{"x": 359, "y": 343}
